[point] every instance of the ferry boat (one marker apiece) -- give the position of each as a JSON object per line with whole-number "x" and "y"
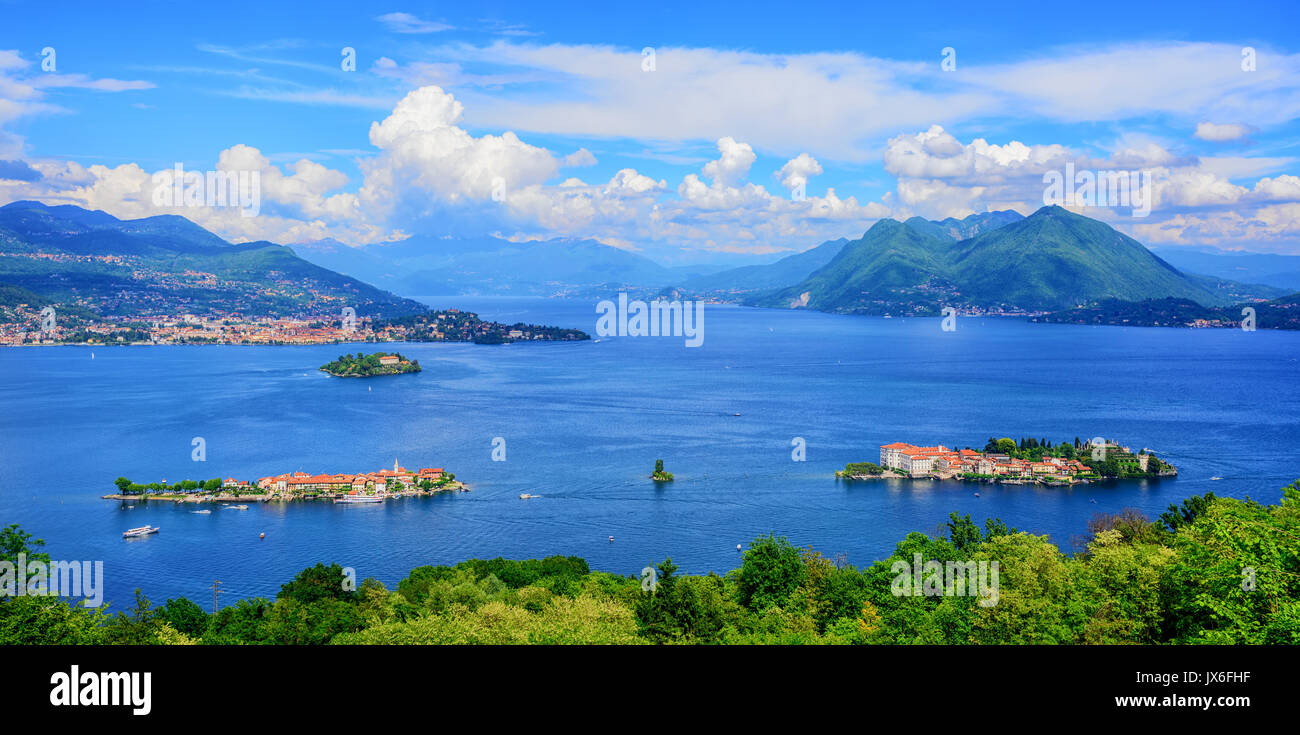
{"x": 360, "y": 499}
{"x": 141, "y": 531}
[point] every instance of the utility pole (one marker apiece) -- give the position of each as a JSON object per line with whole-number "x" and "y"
{"x": 216, "y": 584}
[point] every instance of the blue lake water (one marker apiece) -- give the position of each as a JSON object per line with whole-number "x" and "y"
{"x": 583, "y": 424}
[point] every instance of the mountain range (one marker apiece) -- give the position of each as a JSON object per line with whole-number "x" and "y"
{"x": 994, "y": 262}
{"x": 422, "y": 265}
{"x": 167, "y": 265}
{"x": 1280, "y": 271}
{"x": 1053, "y": 259}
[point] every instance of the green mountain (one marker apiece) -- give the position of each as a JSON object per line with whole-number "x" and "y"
{"x": 167, "y": 265}
{"x": 1053, "y": 259}
{"x": 893, "y": 263}
{"x": 795, "y": 268}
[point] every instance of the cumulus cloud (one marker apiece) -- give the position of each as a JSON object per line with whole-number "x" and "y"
{"x": 796, "y": 172}
{"x": 733, "y": 164}
{"x": 424, "y": 152}
{"x": 935, "y": 153}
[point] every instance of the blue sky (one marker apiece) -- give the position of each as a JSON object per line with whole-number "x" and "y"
{"x": 696, "y": 160}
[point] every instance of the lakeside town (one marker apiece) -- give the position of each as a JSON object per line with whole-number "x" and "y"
{"x": 1006, "y": 461}
{"x": 21, "y": 325}
{"x": 362, "y": 487}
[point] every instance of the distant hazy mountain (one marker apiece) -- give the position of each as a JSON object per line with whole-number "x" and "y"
{"x": 167, "y": 264}
{"x": 790, "y": 269}
{"x": 1052, "y": 259}
{"x": 1235, "y": 291}
{"x": 424, "y": 265}
{"x": 1282, "y": 271}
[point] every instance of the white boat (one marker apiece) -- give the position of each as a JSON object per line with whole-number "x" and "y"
{"x": 360, "y": 499}
{"x": 201, "y": 512}
{"x": 141, "y": 531}
{"x": 236, "y": 507}
{"x": 526, "y": 496}
{"x": 1216, "y": 477}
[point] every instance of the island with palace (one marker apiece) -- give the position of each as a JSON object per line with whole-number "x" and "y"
{"x": 1011, "y": 462}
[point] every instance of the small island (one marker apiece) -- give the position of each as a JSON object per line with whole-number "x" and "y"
{"x": 1010, "y": 462}
{"x": 369, "y": 366}
{"x": 659, "y": 475}
{"x": 359, "y": 487}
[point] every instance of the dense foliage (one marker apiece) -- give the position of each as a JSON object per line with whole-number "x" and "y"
{"x": 1211, "y": 570}
{"x": 362, "y": 365}
{"x": 861, "y": 469}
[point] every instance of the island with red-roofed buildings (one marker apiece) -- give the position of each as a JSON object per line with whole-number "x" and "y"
{"x": 362, "y": 487}
{"x": 1006, "y": 461}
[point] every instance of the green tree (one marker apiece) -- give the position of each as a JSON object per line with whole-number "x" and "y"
{"x": 962, "y": 531}
{"x": 14, "y": 541}
{"x": 185, "y": 616}
{"x": 1236, "y": 576}
{"x": 771, "y": 570}
{"x": 1178, "y": 516}
{"x": 317, "y": 583}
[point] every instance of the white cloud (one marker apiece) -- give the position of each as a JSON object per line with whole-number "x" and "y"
{"x": 1220, "y": 133}
{"x": 82, "y": 81}
{"x": 733, "y": 164}
{"x": 407, "y": 23}
{"x": 796, "y": 172}
{"x": 914, "y": 156}
{"x": 426, "y": 162}
{"x": 579, "y": 158}
{"x": 837, "y": 106}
